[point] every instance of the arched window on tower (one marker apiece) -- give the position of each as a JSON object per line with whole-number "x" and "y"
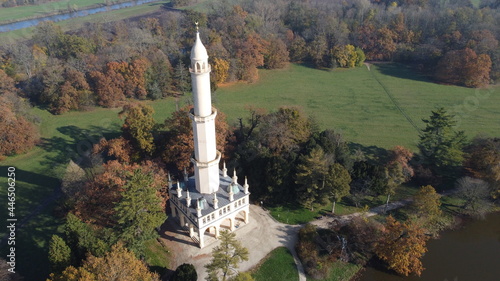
{"x": 198, "y": 68}
{"x": 204, "y": 67}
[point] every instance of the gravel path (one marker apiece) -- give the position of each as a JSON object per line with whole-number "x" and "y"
{"x": 260, "y": 236}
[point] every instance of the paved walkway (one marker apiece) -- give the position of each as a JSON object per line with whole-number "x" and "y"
{"x": 260, "y": 236}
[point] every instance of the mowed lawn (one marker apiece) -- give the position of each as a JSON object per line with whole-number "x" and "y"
{"x": 278, "y": 265}
{"x": 357, "y": 101}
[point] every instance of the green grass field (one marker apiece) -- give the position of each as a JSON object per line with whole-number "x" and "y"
{"x": 354, "y": 102}
{"x": 351, "y": 100}
{"x": 71, "y": 24}
{"x": 278, "y": 265}
{"x": 340, "y": 271}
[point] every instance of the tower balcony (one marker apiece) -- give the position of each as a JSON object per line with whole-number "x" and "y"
{"x": 199, "y": 68}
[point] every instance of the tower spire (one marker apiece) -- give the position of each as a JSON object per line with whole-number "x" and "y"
{"x": 206, "y": 157}
{"x": 224, "y": 169}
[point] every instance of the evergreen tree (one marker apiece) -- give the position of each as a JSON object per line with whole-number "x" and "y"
{"x": 59, "y": 254}
{"x": 440, "y": 145}
{"x": 185, "y": 272}
{"x": 182, "y": 78}
{"x": 139, "y": 211}
{"x": 226, "y": 257}
{"x": 337, "y": 183}
{"x": 311, "y": 177}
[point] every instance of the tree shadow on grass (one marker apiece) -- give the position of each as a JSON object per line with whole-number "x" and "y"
{"x": 76, "y": 146}
{"x": 401, "y": 71}
{"x": 371, "y": 152}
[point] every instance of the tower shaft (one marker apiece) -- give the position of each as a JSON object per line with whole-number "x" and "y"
{"x": 206, "y": 157}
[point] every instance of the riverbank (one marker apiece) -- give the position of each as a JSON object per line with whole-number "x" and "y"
{"x": 29, "y": 12}
{"x": 71, "y": 12}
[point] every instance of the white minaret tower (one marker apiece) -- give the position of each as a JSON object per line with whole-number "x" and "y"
{"x": 206, "y": 157}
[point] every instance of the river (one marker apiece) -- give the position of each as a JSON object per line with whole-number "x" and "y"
{"x": 468, "y": 254}
{"x": 70, "y": 15}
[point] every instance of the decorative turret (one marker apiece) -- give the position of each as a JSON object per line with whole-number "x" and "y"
{"x": 231, "y": 193}
{"x": 216, "y": 202}
{"x": 186, "y": 176}
{"x": 179, "y": 190}
{"x": 235, "y": 177}
{"x": 198, "y": 208}
{"x": 188, "y": 199}
{"x": 224, "y": 170}
{"x": 245, "y": 186}
{"x": 169, "y": 181}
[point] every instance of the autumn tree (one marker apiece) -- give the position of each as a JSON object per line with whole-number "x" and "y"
{"x": 401, "y": 246}
{"x": 226, "y": 257}
{"x": 118, "y": 264}
{"x": 441, "y": 147}
{"x": 18, "y": 135}
{"x": 250, "y": 53}
{"x": 347, "y": 56}
{"x": 179, "y": 142}
{"x": 96, "y": 202}
{"x": 483, "y": 156}
{"x": 337, "y": 183}
{"x": 427, "y": 202}
{"x": 276, "y": 54}
{"x": 464, "y": 67}
{"x": 138, "y": 127}
{"x": 402, "y": 156}
{"x": 285, "y": 130}
{"x": 221, "y": 70}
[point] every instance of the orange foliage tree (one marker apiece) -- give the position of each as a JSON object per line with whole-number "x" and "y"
{"x": 118, "y": 264}
{"x": 95, "y": 203}
{"x": 179, "y": 145}
{"x": 402, "y": 245}
{"x": 17, "y": 135}
{"x": 464, "y": 67}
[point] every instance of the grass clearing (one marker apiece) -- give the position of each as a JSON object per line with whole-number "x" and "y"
{"x": 354, "y": 102}
{"x": 340, "y": 271}
{"x": 278, "y": 265}
{"x": 158, "y": 257}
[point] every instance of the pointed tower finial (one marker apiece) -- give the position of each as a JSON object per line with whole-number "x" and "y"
{"x": 198, "y": 208}
{"x": 216, "y": 201}
{"x": 197, "y": 28}
{"x": 224, "y": 169}
{"x": 179, "y": 190}
{"x": 231, "y": 193}
{"x": 245, "y": 186}
{"x": 235, "y": 177}
{"x": 188, "y": 199}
